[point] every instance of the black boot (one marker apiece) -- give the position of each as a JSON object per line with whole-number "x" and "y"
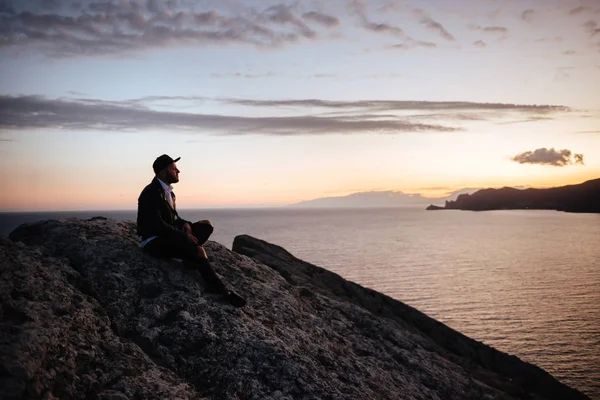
{"x": 234, "y": 299}
{"x": 214, "y": 284}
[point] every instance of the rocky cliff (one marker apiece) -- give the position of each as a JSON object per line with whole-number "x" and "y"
{"x": 85, "y": 314}
{"x": 582, "y": 198}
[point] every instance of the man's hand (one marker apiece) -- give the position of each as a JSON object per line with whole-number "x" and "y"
{"x": 188, "y": 230}
{"x": 192, "y": 238}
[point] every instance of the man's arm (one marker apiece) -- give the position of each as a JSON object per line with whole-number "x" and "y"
{"x": 187, "y": 229}
{"x": 185, "y": 226}
{"x": 180, "y": 222}
{"x": 149, "y": 213}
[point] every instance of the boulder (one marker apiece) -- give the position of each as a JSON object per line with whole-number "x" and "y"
{"x": 86, "y": 314}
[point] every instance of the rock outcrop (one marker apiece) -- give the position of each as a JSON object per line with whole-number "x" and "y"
{"x": 85, "y": 314}
{"x": 432, "y": 207}
{"x": 581, "y": 198}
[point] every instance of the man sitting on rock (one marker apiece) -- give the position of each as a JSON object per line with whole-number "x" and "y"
{"x": 164, "y": 234}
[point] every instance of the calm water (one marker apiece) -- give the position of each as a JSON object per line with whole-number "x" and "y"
{"x": 525, "y": 282}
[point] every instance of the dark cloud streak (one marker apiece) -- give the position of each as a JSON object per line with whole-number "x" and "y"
{"x": 411, "y": 44}
{"x": 244, "y": 75}
{"x": 336, "y": 117}
{"x": 283, "y": 15}
{"x": 591, "y": 27}
{"x": 528, "y": 15}
{"x": 437, "y": 27}
{"x": 400, "y": 105}
{"x": 320, "y": 18}
{"x": 105, "y": 27}
{"x": 359, "y": 9}
{"x": 35, "y": 112}
{"x": 383, "y": 28}
{"x": 579, "y": 10}
{"x": 495, "y": 29}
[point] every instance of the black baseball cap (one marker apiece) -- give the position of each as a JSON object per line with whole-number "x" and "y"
{"x": 163, "y": 162}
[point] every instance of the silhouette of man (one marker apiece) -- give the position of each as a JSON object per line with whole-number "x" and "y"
{"x": 164, "y": 234}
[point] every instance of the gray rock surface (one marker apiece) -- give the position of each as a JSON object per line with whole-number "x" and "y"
{"x": 85, "y": 314}
{"x": 56, "y": 341}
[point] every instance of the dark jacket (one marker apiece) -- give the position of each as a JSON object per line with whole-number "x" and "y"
{"x": 155, "y": 215}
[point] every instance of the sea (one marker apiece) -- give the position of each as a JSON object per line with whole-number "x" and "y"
{"x": 525, "y": 282}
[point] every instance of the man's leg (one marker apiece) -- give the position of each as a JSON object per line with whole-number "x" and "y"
{"x": 202, "y": 231}
{"x": 194, "y": 257}
{"x": 214, "y": 283}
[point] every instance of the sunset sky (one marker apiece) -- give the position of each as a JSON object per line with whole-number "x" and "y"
{"x": 272, "y": 103}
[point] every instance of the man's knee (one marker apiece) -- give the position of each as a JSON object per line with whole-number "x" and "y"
{"x": 206, "y": 222}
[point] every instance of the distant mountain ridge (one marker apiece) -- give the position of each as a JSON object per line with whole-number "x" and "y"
{"x": 583, "y": 197}
{"x": 387, "y": 198}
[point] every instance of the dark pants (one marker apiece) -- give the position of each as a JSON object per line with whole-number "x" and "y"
{"x": 164, "y": 247}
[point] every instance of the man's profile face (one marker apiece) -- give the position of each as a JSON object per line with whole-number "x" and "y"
{"x": 172, "y": 173}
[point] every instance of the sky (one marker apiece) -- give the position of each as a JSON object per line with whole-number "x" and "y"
{"x": 273, "y": 102}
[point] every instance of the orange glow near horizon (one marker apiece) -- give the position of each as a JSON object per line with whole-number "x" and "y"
{"x": 49, "y": 196}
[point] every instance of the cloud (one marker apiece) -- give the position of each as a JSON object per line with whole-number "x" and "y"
{"x": 528, "y": 15}
{"x": 492, "y": 30}
{"x": 393, "y": 6}
{"x": 437, "y": 27}
{"x": 447, "y": 188}
{"x": 265, "y": 75}
{"x": 36, "y": 112}
{"x": 569, "y": 52}
{"x": 479, "y": 43}
{"x": 579, "y": 10}
{"x": 383, "y": 76}
{"x": 555, "y": 39}
{"x": 383, "y": 28}
{"x": 283, "y": 15}
{"x": 244, "y": 75}
{"x": 6, "y": 7}
{"x": 495, "y": 29}
{"x": 320, "y": 76}
{"x": 323, "y": 19}
{"x": 401, "y": 105}
{"x": 50, "y": 5}
{"x": 591, "y": 27}
{"x": 358, "y": 8}
{"x": 106, "y": 27}
{"x": 544, "y": 156}
{"x": 310, "y": 116}
{"x": 411, "y": 44}
{"x": 534, "y": 118}
{"x": 562, "y": 73}
{"x": 344, "y": 117}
